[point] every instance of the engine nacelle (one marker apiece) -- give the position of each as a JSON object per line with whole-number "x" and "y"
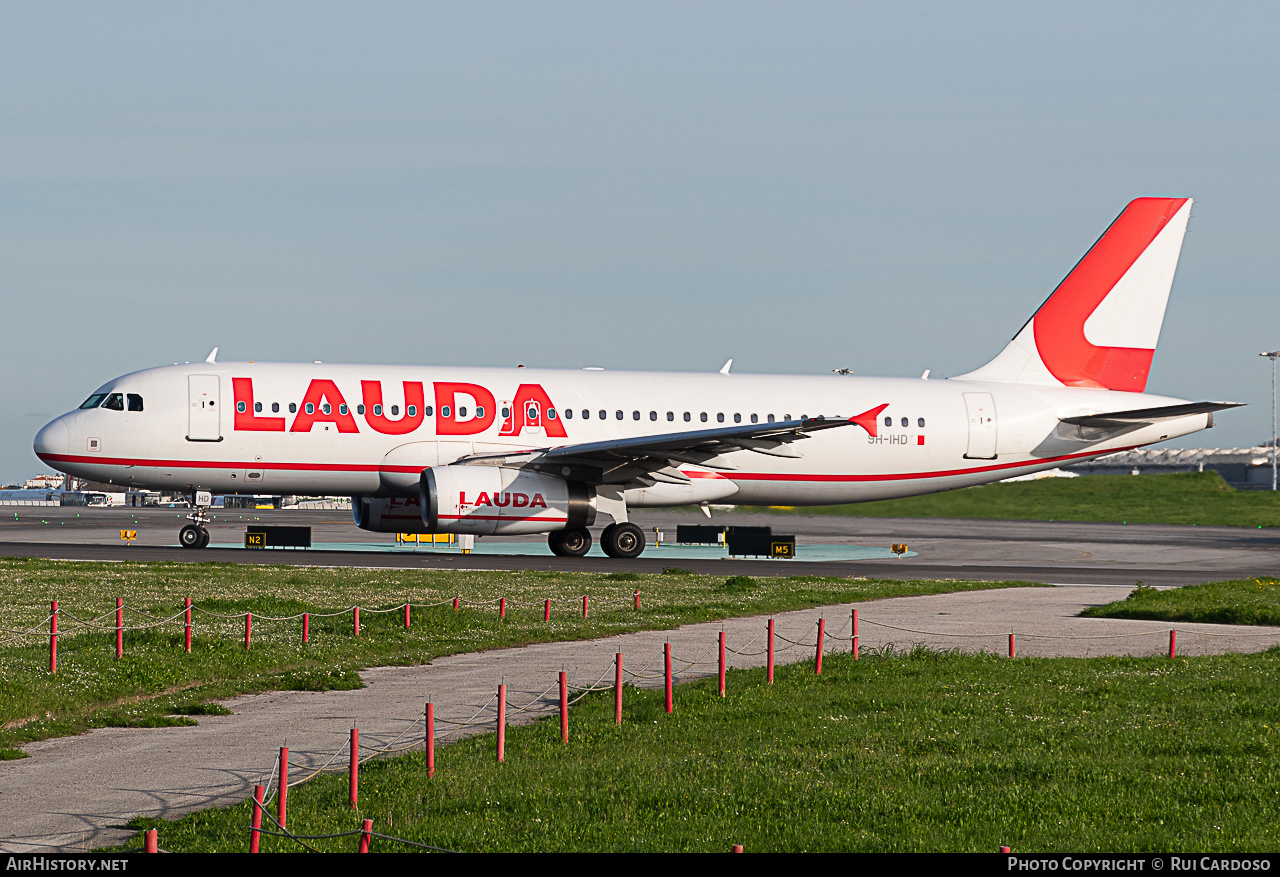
{"x": 396, "y": 515}
{"x": 487, "y": 500}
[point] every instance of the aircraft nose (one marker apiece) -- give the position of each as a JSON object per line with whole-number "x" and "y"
{"x": 54, "y": 438}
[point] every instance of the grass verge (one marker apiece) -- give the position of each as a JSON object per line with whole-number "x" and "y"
{"x": 157, "y": 683}
{"x": 1243, "y": 601}
{"x": 1198, "y": 498}
{"x": 898, "y": 752}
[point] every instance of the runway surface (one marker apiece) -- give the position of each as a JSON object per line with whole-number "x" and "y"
{"x": 74, "y": 793}
{"x": 1039, "y": 551}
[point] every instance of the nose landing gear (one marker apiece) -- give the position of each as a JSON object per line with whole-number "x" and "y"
{"x": 195, "y": 535}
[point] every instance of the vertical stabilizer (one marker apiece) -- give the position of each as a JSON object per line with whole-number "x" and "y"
{"x": 1099, "y": 328}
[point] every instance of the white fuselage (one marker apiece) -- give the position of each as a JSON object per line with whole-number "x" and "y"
{"x": 244, "y": 427}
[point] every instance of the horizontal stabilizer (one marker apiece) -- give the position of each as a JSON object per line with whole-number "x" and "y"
{"x": 1148, "y": 415}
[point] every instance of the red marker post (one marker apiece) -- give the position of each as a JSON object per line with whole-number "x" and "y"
{"x": 722, "y": 635}
{"x": 770, "y": 670}
{"x": 502, "y": 722}
{"x": 53, "y": 637}
{"x": 353, "y": 770}
{"x": 119, "y": 628}
{"x": 282, "y": 797}
{"x": 822, "y": 635}
{"x": 617, "y": 690}
{"x": 187, "y": 623}
{"x": 431, "y": 740}
{"x": 666, "y": 653}
{"x": 564, "y": 707}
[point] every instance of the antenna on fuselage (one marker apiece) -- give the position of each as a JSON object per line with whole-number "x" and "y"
{"x": 725, "y": 370}
{"x": 213, "y": 356}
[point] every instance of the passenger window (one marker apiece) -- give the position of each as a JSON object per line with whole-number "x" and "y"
{"x": 755, "y": 418}
{"x": 115, "y": 402}
{"x": 786, "y": 417}
{"x": 921, "y": 422}
{"x": 604, "y": 415}
{"x": 326, "y": 408}
{"x": 395, "y": 411}
{"x": 906, "y": 422}
{"x": 360, "y": 409}
{"x": 653, "y": 415}
{"x": 293, "y": 408}
{"x": 240, "y": 407}
{"x": 687, "y": 417}
{"x": 342, "y": 409}
{"x": 888, "y": 421}
{"x": 311, "y": 408}
{"x": 257, "y": 407}
{"x": 462, "y": 410}
{"x": 135, "y": 402}
{"x": 568, "y": 414}
{"x": 94, "y": 401}
{"x": 444, "y": 410}
{"x": 586, "y": 415}
{"x": 551, "y": 413}
{"x": 771, "y": 418}
{"x": 719, "y": 418}
{"x": 275, "y": 408}
{"x": 671, "y": 415}
{"x": 737, "y": 418}
{"x": 480, "y": 412}
{"x": 427, "y": 411}
{"x": 703, "y": 417}
{"x": 619, "y": 414}
{"x": 635, "y": 415}
{"x": 377, "y": 410}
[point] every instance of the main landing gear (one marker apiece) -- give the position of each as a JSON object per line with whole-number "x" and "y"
{"x": 622, "y": 540}
{"x": 570, "y": 543}
{"x": 195, "y": 535}
{"x": 618, "y": 540}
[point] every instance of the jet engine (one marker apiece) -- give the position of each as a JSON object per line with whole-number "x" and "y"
{"x": 485, "y": 500}
{"x": 395, "y": 515}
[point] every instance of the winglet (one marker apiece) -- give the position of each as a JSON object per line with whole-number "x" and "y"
{"x": 867, "y": 419}
{"x": 213, "y": 356}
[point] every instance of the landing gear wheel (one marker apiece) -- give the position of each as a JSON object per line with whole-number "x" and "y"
{"x": 204, "y": 538}
{"x": 622, "y": 540}
{"x": 191, "y": 536}
{"x": 570, "y": 543}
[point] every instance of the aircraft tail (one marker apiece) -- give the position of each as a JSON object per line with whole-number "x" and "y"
{"x": 1099, "y": 328}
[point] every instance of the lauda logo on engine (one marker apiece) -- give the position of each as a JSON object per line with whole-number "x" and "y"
{"x": 503, "y": 500}
{"x": 460, "y": 409}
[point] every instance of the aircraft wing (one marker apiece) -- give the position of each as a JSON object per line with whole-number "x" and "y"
{"x": 646, "y": 460}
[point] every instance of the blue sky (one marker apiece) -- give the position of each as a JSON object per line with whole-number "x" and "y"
{"x": 801, "y": 186}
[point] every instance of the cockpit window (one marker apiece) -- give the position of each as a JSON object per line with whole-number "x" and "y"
{"x": 135, "y": 402}
{"x": 115, "y": 402}
{"x": 94, "y": 401}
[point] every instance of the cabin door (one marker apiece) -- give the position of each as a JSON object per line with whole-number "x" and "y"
{"x": 981, "y": 409}
{"x": 203, "y": 414}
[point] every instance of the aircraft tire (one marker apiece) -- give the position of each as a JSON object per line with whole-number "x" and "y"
{"x": 204, "y": 538}
{"x": 623, "y": 541}
{"x": 575, "y": 542}
{"x": 189, "y": 537}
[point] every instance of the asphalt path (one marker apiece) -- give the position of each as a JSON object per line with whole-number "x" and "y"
{"x": 1037, "y": 551}
{"x": 76, "y": 793}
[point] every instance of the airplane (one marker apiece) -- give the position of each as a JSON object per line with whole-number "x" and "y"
{"x": 512, "y": 451}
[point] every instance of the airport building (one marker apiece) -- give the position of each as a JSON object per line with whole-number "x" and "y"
{"x": 1242, "y": 468}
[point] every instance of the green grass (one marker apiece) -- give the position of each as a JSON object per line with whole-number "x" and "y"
{"x": 157, "y": 683}
{"x": 896, "y": 752}
{"x": 1201, "y": 498}
{"x": 1244, "y": 601}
